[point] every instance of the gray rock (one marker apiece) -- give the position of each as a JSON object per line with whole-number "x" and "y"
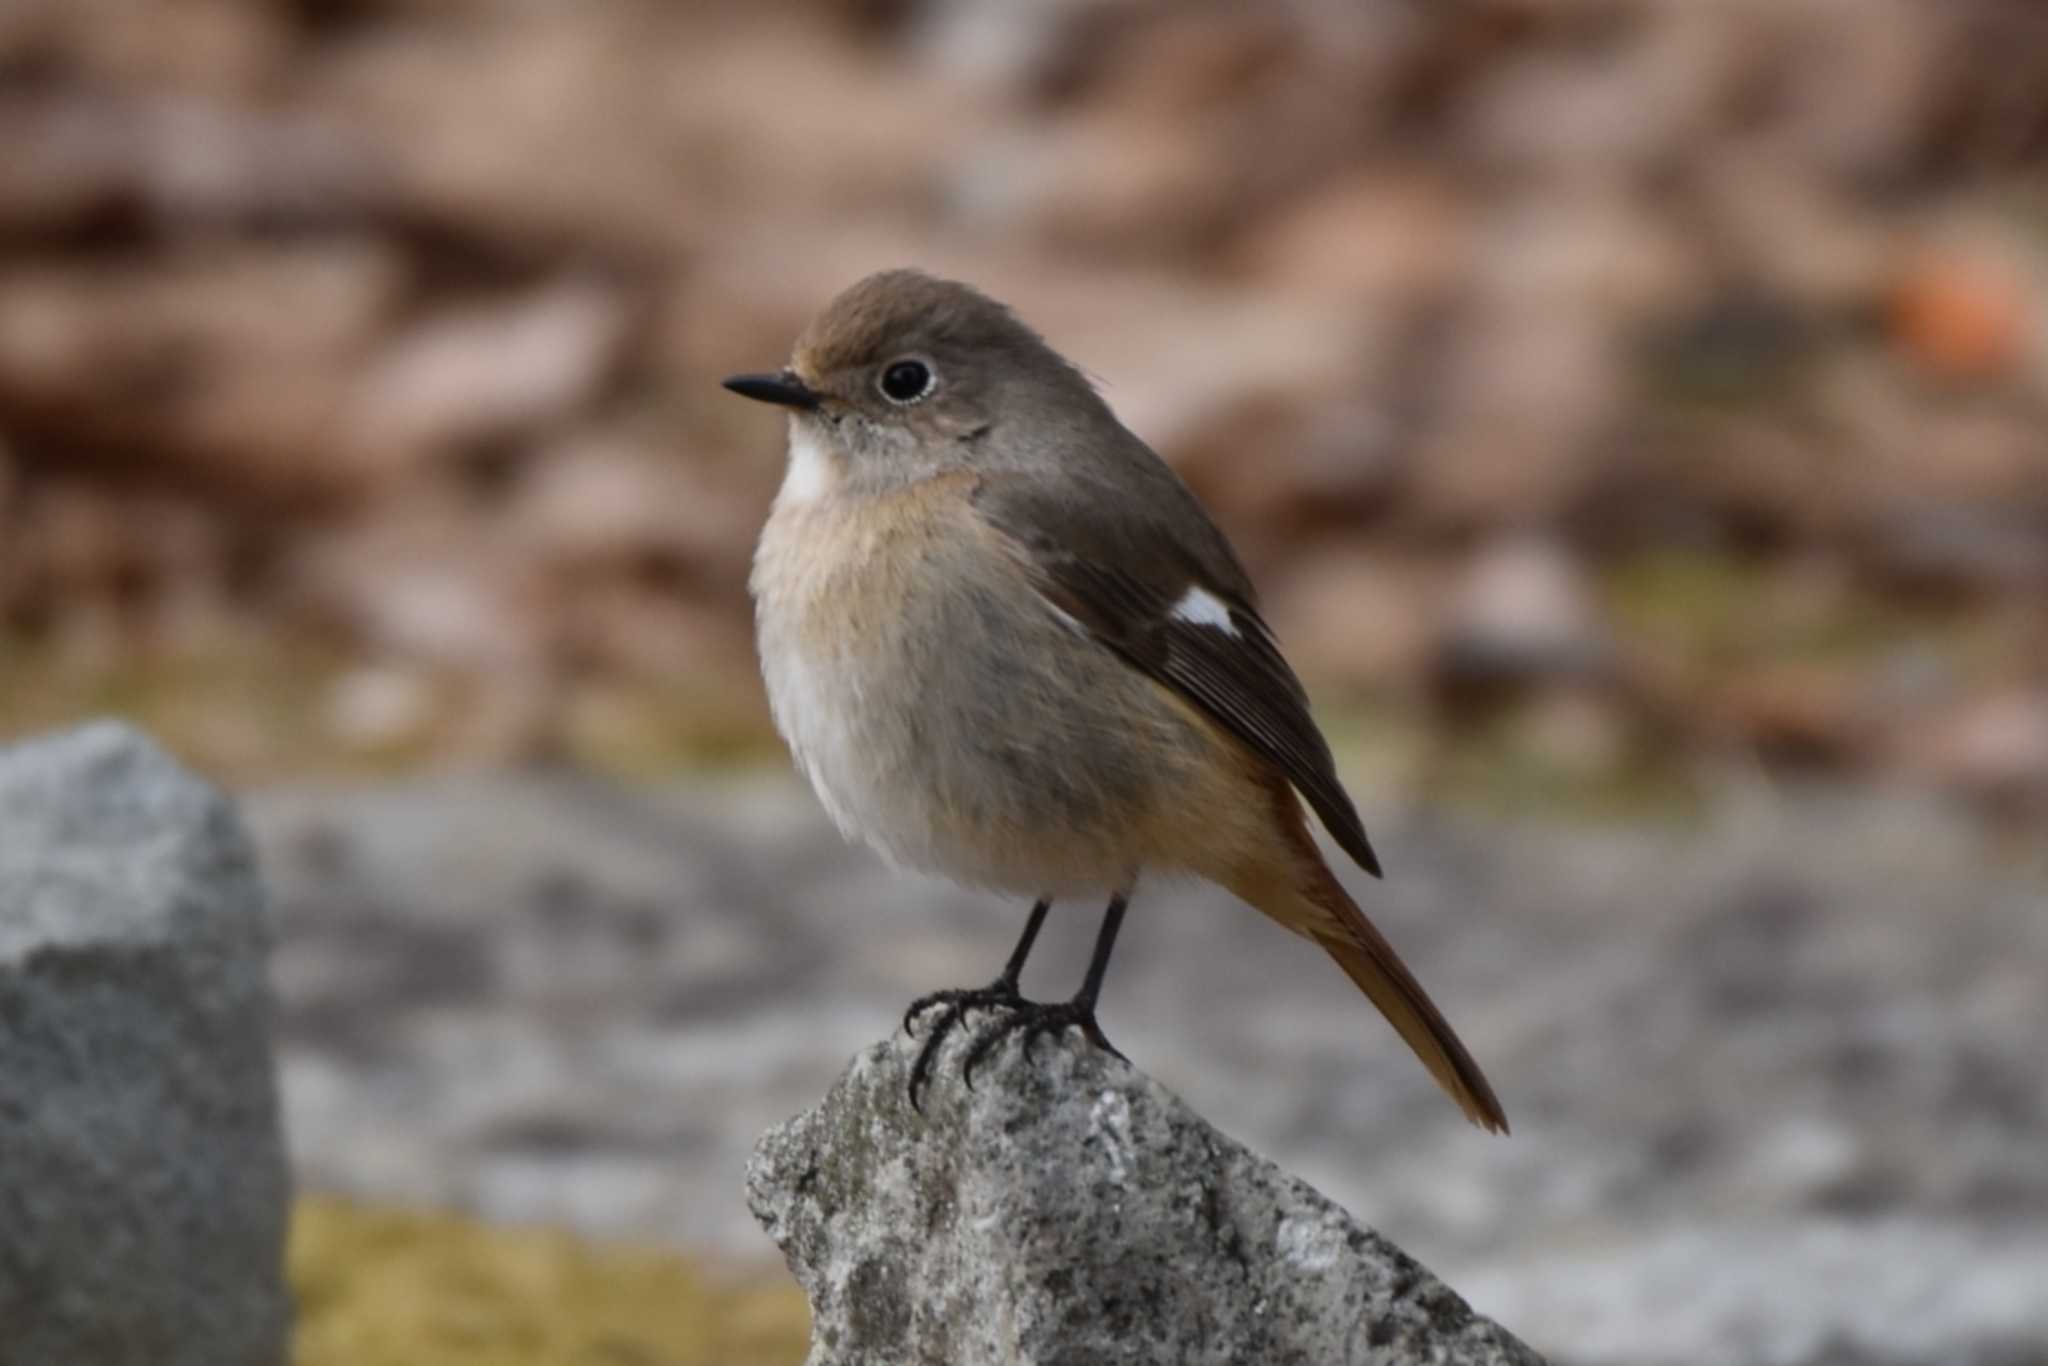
{"x": 143, "y": 1190}
{"x": 1069, "y": 1209}
{"x": 1774, "y": 1069}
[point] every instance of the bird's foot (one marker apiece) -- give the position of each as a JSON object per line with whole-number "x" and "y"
{"x": 953, "y": 1006}
{"x": 1034, "y": 1019}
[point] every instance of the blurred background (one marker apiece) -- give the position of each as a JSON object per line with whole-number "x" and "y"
{"x": 1633, "y": 413}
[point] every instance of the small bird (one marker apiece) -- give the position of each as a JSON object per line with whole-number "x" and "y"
{"x": 1007, "y": 645}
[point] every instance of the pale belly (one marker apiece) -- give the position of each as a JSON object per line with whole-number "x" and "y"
{"x": 949, "y": 717}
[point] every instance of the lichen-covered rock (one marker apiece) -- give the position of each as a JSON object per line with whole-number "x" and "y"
{"x": 1068, "y": 1210}
{"x": 142, "y": 1175}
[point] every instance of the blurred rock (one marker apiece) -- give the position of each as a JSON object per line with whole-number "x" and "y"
{"x": 524, "y": 132}
{"x": 282, "y": 286}
{"x": 1742, "y": 481}
{"x": 1071, "y": 1209}
{"x": 1992, "y": 748}
{"x": 1524, "y": 615}
{"x": 376, "y": 708}
{"x": 1011, "y": 50}
{"x": 605, "y": 504}
{"x": 1099, "y": 183}
{"x": 1577, "y": 731}
{"x": 146, "y": 1183}
{"x": 628, "y": 626}
{"x": 1534, "y": 381}
{"x": 786, "y": 120}
{"x": 228, "y": 368}
{"x": 1277, "y": 473}
{"x": 1796, "y": 238}
{"x": 1585, "y": 115}
{"x": 1863, "y": 128}
{"x": 1759, "y": 1059}
{"x": 1174, "y": 358}
{"x": 1359, "y": 619}
{"x": 1803, "y": 715}
{"x": 81, "y": 161}
{"x": 219, "y": 46}
{"x": 431, "y": 586}
{"x": 1972, "y": 550}
{"x": 1218, "y": 112}
{"x": 1605, "y": 254}
{"x": 1976, "y": 457}
{"x": 1384, "y": 237}
{"x": 484, "y": 373}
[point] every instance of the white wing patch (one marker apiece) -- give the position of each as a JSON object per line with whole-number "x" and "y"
{"x": 1199, "y": 607}
{"x": 1066, "y": 618}
{"x": 813, "y": 470}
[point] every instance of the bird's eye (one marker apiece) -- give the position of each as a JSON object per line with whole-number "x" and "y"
{"x": 906, "y": 381}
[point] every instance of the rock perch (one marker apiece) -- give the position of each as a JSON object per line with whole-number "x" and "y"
{"x": 1070, "y": 1211}
{"x": 142, "y": 1174}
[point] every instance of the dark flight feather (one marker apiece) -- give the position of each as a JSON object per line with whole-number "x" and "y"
{"x": 1120, "y": 570}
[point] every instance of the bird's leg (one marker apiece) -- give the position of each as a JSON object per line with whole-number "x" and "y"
{"x": 1002, "y": 991}
{"x": 957, "y": 1002}
{"x": 1036, "y": 1018}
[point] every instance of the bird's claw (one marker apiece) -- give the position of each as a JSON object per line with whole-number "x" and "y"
{"x": 1036, "y": 1019}
{"x": 959, "y": 1000}
{"x": 956, "y": 1003}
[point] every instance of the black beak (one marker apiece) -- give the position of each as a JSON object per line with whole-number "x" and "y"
{"x": 784, "y": 389}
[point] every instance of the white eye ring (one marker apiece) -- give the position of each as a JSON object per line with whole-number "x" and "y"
{"x": 907, "y": 380}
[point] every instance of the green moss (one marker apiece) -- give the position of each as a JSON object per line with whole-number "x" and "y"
{"x": 1492, "y": 767}
{"x": 1725, "y": 612}
{"x": 1698, "y": 602}
{"x": 254, "y": 708}
{"x": 236, "y": 709}
{"x": 650, "y": 728}
{"x": 400, "y": 1288}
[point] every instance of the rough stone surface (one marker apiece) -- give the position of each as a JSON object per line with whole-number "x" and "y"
{"x": 142, "y": 1175}
{"x": 1069, "y": 1209}
{"x": 1774, "y": 1068}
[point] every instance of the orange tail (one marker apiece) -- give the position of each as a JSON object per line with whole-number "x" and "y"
{"x": 1287, "y": 879}
{"x": 1305, "y": 896}
{"x": 1370, "y": 961}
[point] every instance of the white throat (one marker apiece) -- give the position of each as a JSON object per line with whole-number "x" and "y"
{"x": 813, "y": 471}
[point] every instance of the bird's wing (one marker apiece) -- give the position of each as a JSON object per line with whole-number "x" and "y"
{"x": 1155, "y": 581}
